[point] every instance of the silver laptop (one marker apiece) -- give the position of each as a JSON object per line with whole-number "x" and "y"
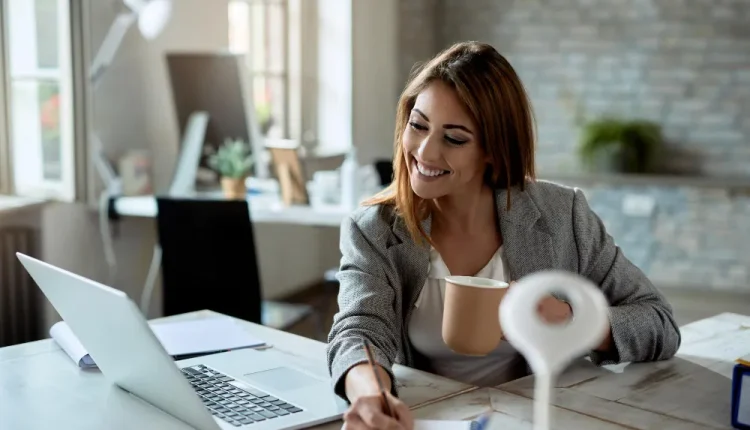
{"x": 247, "y": 388}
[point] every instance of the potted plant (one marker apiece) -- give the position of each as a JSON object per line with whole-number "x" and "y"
{"x": 233, "y": 162}
{"x": 625, "y": 146}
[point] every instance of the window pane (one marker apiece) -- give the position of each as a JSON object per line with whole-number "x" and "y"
{"x": 258, "y": 31}
{"x": 270, "y": 103}
{"x": 35, "y": 122}
{"x": 33, "y": 36}
{"x": 46, "y": 34}
{"x": 276, "y": 37}
{"x": 239, "y": 27}
{"x": 277, "y": 88}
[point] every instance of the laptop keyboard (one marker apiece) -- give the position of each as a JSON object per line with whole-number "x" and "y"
{"x": 235, "y": 405}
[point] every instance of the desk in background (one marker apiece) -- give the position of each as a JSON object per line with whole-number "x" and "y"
{"x": 41, "y": 388}
{"x": 263, "y": 209}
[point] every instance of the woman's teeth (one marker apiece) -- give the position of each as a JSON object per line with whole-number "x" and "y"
{"x": 429, "y": 172}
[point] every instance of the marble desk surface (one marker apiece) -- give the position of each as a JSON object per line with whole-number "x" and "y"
{"x": 690, "y": 391}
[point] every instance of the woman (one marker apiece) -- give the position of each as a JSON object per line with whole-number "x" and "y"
{"x": 464, "y": 201}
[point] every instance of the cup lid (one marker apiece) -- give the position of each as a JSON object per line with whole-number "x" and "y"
{"x": 475, "y": 281}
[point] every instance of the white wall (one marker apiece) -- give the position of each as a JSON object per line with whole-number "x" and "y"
{"x": 375, "y": 83}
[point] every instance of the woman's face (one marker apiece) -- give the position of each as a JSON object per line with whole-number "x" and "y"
{"x": 441, "y": 145}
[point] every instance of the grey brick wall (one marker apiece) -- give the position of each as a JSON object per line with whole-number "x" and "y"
{"x": 694, "y": 238}
{"x": 683, "y": 63}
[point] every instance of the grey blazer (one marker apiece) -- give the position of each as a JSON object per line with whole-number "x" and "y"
{"x": 548, "y": 226}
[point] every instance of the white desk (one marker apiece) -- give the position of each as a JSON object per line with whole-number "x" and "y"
{"x": 263, "y": 209}
{"x": 41, "y": 388}
{"x": 690, "y": 391}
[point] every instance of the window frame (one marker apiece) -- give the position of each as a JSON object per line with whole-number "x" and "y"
{"x": 299, "y": 70}
{"x": 64, "y": 76}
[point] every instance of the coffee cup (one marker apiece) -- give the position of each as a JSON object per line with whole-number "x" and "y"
{"x": 470, "y": 314}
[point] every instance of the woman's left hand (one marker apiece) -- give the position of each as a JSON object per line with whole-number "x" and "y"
{"x": 554, "y": 311}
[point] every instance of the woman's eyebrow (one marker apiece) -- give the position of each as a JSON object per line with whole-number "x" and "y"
{"x": 446, "y": 126}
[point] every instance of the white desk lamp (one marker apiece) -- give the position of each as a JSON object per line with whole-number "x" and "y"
{"x": 151, "y": 16}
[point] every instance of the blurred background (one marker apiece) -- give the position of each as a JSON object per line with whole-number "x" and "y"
{"x": 112, "y": 108}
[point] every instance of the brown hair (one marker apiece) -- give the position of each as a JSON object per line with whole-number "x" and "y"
{"x": 497, "y": 102}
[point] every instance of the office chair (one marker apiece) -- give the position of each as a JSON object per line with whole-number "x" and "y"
{"x": 209, "y": 261}
{"x": 385, "y": 171}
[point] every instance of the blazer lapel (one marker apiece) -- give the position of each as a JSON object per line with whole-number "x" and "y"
{"x": 527, "y": 244}
{"x": 415, "y": 259}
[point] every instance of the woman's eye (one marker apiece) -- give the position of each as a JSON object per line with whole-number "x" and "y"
{"x": 416, "y": 126}
{"x": 455, "y": 141}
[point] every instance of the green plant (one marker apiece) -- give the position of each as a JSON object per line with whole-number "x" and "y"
{"x": 232, "y": 160}
{"x": 632, "y": 145}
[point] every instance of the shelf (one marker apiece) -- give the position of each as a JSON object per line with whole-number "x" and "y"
{"x": 730, "y": 184}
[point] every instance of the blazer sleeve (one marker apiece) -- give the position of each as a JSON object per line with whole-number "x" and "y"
{"x": 643, "y": 326}
{"x": 366, "y": 309}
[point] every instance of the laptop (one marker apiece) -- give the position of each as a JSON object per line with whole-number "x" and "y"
{"x": 246, "y": 388}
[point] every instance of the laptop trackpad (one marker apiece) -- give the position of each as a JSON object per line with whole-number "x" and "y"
{"x": 281, "y": 379}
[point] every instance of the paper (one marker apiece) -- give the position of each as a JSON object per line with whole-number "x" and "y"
{"x": 442, "y": 425}
{"x": 745, "y": 361}
{"x": 203, "y": 336}
{"x": 178, "y": 338}
{"x": 69, "y": 343}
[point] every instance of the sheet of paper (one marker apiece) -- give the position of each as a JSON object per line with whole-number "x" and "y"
{"x": 441, "y": 425}
{"x": 69, "y": 343}
{"x": 203, "y": 335}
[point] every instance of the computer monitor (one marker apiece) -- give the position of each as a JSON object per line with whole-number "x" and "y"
{"x": 218, "y": 84}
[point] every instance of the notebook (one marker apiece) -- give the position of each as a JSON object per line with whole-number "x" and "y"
{"x": 181, "y": 339}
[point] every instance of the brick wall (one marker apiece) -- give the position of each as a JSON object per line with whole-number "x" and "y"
{"x": 694, "y": 238}
{"x": 683, "y": 63}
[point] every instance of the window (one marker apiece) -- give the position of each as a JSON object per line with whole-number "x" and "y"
{"x": 258, "y": 29}
{"x": 39, "y": 97}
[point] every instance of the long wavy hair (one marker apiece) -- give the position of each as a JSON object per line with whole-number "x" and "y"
{"x": 497, "y": 102}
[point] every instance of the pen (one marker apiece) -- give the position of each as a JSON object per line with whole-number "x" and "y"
{"x": 371, "y": 360}
{"x": 481, "y": 423}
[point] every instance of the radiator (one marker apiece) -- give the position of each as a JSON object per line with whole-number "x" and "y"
{"x": 20, "y": 308}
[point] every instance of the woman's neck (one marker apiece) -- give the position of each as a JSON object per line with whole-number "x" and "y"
{"x": 465, "y": 213}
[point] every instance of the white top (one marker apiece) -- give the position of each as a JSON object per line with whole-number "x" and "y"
{"x": 425, "y": 331}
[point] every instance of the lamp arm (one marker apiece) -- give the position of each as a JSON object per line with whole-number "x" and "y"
{"x": 109, "y": 46}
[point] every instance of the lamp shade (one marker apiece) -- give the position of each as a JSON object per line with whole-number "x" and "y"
{"x": 153, "y": 17}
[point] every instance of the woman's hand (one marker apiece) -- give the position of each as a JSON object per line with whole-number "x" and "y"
{"x": 367, "y": 413}
{"x": 367, "y": 410}
{"x": 554, "y": 311}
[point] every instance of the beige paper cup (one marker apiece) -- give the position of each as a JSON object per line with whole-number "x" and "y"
{"x": 470, "y": 314}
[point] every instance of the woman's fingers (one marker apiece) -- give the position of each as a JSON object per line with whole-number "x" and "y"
{"x": 402, "y": 412}
{"x": 352, "y": 421}
{"x": 368, "y": 411}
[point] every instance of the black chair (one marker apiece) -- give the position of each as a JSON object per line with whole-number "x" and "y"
{"x": 209, "y": 262}
{"x": 385, "y": 171}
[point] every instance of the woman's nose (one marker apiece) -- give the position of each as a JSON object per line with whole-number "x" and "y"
{"x": 428, "y": 149}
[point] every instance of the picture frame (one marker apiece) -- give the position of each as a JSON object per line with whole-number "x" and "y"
{"x": 289, "y": 172}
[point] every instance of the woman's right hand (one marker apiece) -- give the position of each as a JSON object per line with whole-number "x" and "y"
{"x": 367, "y": 413}
{"x": 367, "y": 409}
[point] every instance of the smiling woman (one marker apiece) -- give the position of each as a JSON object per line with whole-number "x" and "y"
{"x": 465, "y": 202}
